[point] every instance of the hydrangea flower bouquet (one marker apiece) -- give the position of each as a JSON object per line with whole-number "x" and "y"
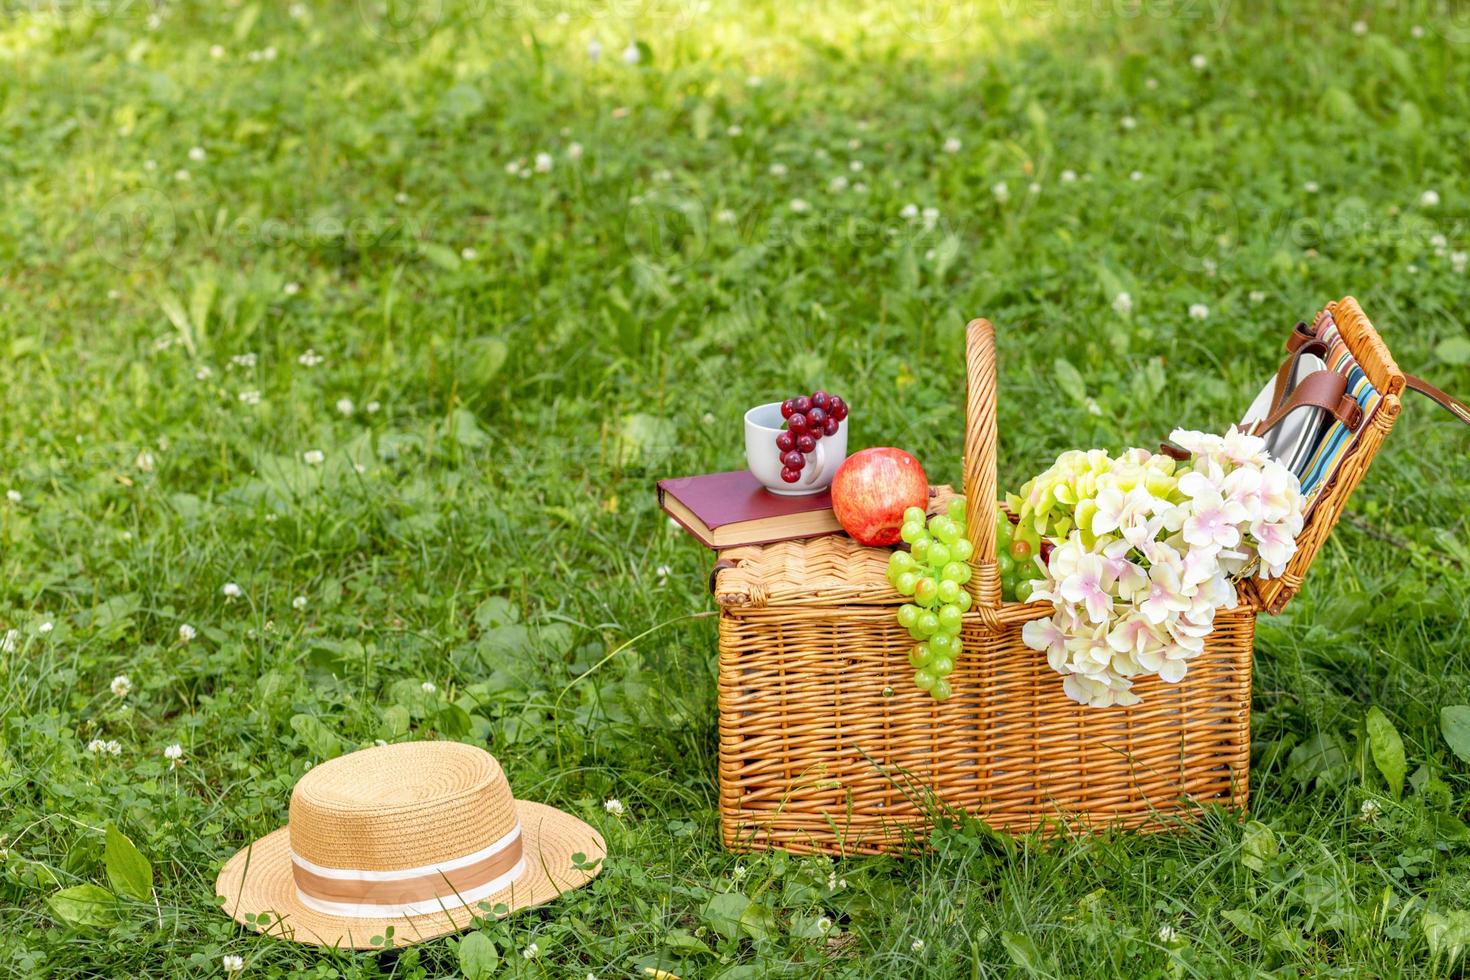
{"x": 1145, "y": 549}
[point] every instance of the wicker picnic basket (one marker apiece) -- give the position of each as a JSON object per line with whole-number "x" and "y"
{"x": 827, "y": 745}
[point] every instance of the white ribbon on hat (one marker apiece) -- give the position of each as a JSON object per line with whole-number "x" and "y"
{"x": 437, "y": 881}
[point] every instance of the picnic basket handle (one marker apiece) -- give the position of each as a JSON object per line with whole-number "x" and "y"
{"x": 979, "y": 463}
{"x": 981, "y": 444}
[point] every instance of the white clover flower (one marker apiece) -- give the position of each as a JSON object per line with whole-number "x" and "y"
{"x": 249, "y": 396}
{"x": 232, "y": 964}
{"x": 1167, "y": 933}
{"x": 544, "y": 163}
{"x": 931, "y": 218}
{"x": 174, "y": 754}
{"x": 1199, "y": 311}
{"x": 856, "y": 166}
{"x": 952, "y": 145}
{"x": 310, "y": 358}
{"x": 909, "y": 212}
{"x": 245, "y": 360}
{"x": 1199, "y": 62}
{"x": 120, "y": 686}
{"x": 1128, "y": 122}
{"x": 97, "y": 746}
{"x": 1001, "y": 191}
{"x": 345, "y": 407}
{"x": 13, "y": 496}
{"x": 837, "y": 184}
{"x": 662, "y": 571}
{"x": 1429, "y": 199}
{"x": 313, "y": 457}
{"x": 1123, "y": 304}
{"x": 594, "y": 50}
{"x": 372, "y": 407}
{"x": 468, "y": 254}
{"x": 1458, "y": 260}
{"x": 216, "y": 51}
{"x": 428, "y": 687}
{"x": 824, "y": 924}
{"x": 531, "y": 952}
{"x": 1360, "y": 27}
{"x": 739, "y": 873}
{"x": 777, "y": 169}
{"x": 631, "y": 54}
{"x": 614, "y": 806}
{"x": 917, "y": 946}
{"x": 574, "y": 151}
{"x": 112, "y": 747}
{"x": 1257, "y": 296}
{"x": 231, "y": 591}
{"x": 197, "y": 154}
{"x": 182, "y": 176}
{"x": 1417, "y": 31}
{"x": 299, "y": 602}
{"x": 150, "y": 165}
{"x": 1069, "y": 176}
{"x": 1369, "y": 811}
{"x": 291, "y": 289}
{"x": 187, "y": 632}
{"x": 400, "y": 198}
{"x": 1135, "y": 175}
{"x": 725, "y": 216}
{"x": 45, "y": 627}
{"x": 799, "y": 205}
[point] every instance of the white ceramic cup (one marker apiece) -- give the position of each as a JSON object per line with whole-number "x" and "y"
{"x": 762, "y": 425}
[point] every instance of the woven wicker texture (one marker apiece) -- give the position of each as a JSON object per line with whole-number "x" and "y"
{"x": 826, "y": 745}
{"x": 400, "y": 806}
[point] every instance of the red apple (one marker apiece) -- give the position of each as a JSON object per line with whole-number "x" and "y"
{"x": 871, "y": 491}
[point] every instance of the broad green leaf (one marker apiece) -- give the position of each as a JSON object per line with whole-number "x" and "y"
{"x": 478, "y": 957}
{"x": 1069, "y": 379}
{"x": 320, "y": 741}
{"x": 1388, "y": 750}
{"x": 1447, "y": 933}
{"x": 85, "y": 905}
{"x": 128, "y": 870}
{"x": 481, "y": 364}
{"x": 1025, "y": 954}
{"x": 441, "y": 255}
{"x": 452, "y": 720}
{"x": 1454, "y": 724}
{"x": 1245, "y": 920}
{"x": 396, "y": 720}
{"x": 1454, "y": 350}
{"x": 1259, "y": 846}
{"x": 723, "y": 912}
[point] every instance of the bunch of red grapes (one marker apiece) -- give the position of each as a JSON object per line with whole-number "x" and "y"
{"x": 808, "y": 418}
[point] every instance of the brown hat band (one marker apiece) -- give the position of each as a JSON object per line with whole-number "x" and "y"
{"x": 449, "y": 884}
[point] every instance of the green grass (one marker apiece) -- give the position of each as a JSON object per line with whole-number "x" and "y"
{"x": 484, "y": 517}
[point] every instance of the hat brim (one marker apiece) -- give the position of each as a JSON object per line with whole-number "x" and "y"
{"x": 257, "y": 881}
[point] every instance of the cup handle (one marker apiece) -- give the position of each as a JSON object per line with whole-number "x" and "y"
{"x": 815, "y": 466}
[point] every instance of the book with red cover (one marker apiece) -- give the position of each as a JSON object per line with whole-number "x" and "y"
{"x": 726, "y": 510}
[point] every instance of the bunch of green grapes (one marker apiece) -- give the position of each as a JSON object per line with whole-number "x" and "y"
{"x": 934, "y": 571}
{"x": 1013, "y": 553}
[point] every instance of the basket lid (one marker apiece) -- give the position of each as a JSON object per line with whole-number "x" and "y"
{"x": 828, "y": 571}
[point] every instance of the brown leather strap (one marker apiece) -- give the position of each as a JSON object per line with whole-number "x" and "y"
{"x": 1452, "y": 405}
{"x": 1320, "y": 389}
{"x": 1288, "y": 367}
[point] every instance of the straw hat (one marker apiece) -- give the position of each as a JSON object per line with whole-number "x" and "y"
{"x": 422, "y": 836}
